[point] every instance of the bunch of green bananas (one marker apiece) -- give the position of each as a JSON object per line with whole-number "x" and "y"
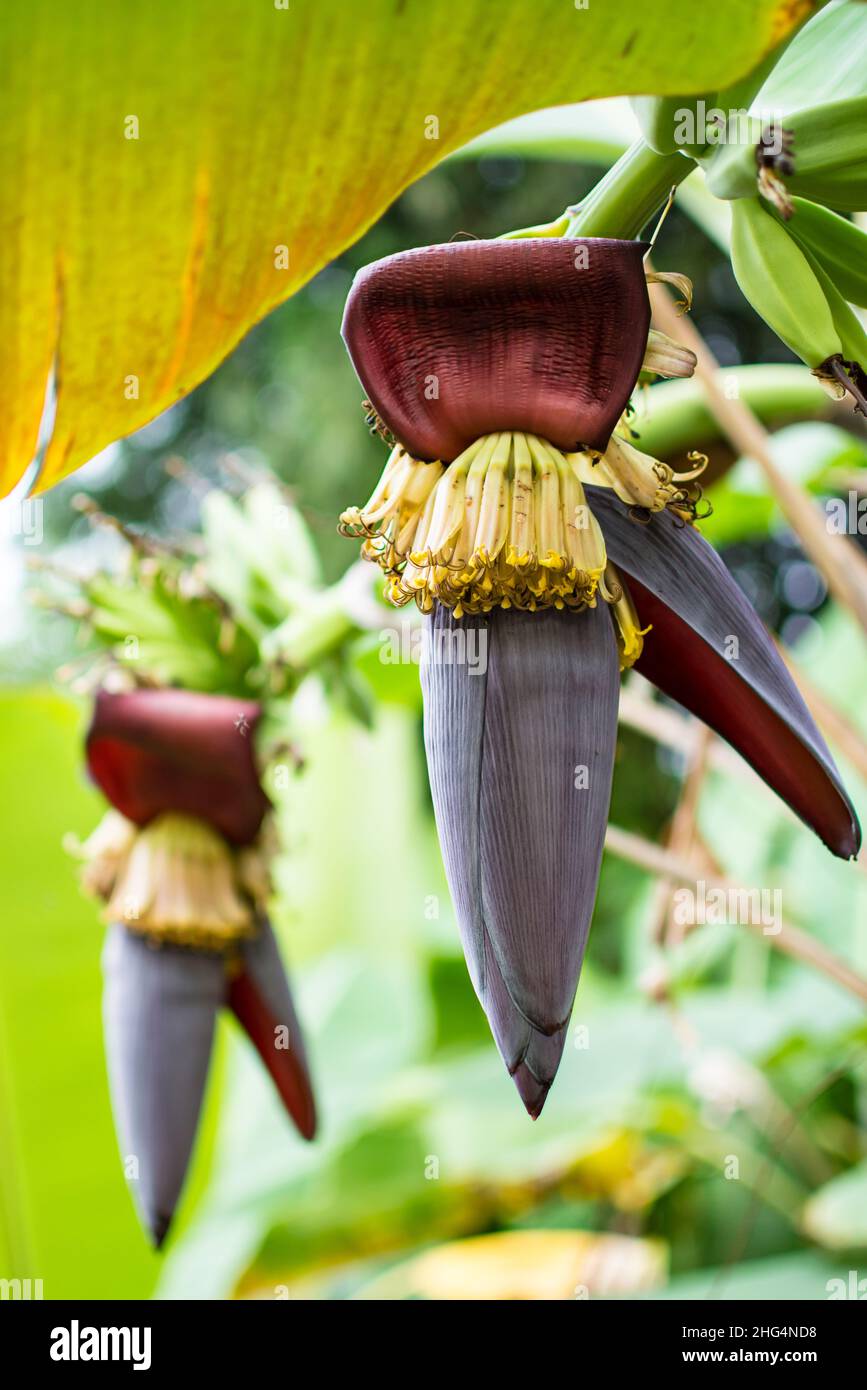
{"x": 800, "y": 118}
{"x": 797, "y": 283}
{"x": 240, "y": 608}
{"x": 820, "y": 153}
{"x": 780, "y": 144}
{"x": 808, "y": 118}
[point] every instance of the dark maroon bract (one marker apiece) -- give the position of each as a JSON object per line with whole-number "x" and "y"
{"x": 151, "y": 751}
{"x": 543, "y": 335}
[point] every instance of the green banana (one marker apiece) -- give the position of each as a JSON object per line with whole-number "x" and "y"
{"x": 823, "y": 156}
{"x": 671, "y": 124}
{"x": 850, "y": 329}
{"x": 843, "y": 188}
{"x": 829, "y": 137}
{"x": 778, "y": 280}
{"x": 837, "y": 245}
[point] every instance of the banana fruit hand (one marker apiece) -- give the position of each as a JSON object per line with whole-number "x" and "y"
{"x": 830, "y": 153}
{"x": 798, "y": 300}
{"x": 836, "y": 244}
{"x": 819, "y": 153}
{"x": 777, "y": 279}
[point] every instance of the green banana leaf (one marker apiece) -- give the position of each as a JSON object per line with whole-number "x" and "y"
{"x": 174, "y": 171}
{"x": 836, "y": 1215}
{"x": 595, "y": 132}
{"x": 826, "y": 61}
{"x": 65, "y": 1215}
{"x": 804, "y": 1276}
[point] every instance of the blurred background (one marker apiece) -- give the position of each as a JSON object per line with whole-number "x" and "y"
{"x": 705, "y": 1134}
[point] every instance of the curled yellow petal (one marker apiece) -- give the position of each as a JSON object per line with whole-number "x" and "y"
{"x": 681, "y": 283}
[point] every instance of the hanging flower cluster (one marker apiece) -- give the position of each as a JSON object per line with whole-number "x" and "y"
{"x": 507, "y": 524}
{"x": 181, "y": 863}
{"x": 501, "y": 372}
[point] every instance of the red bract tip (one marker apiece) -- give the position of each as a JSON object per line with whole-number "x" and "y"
{"x": 151, "y": 751}
{"x": 543, "y": 335}
{"x": 261, "y": 1000}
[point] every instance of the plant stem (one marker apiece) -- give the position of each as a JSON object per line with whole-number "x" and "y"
{"x": 645, "y": 854}
{"x": 682, "y": 839}
{"x": 624, "y": 201}
{"x": 678, "y": 415}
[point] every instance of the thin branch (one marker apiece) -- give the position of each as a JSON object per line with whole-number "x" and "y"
{"x": 791, "y": 941}
{"x": 680, "y": 732}
{"x": 681, "y": 839}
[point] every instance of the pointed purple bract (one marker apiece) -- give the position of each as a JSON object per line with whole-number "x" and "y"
{"x": 520, "y": 759}
{"x": 159, "y": 1006}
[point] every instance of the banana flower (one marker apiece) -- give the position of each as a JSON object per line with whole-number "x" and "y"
{"x": 516, "y": 503}
{"x": 181, "y": 863}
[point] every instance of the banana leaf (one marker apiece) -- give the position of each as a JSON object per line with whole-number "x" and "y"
{"x": 173, "y": 172}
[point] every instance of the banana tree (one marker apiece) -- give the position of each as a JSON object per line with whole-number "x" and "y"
{"x": 515, "y": 502}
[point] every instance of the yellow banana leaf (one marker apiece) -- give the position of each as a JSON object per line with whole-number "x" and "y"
{"x": 173, "y": 169}
{"x": 528, "y": 1265}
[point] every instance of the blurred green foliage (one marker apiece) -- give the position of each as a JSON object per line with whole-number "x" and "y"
{"x": 423, "y": 1139}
